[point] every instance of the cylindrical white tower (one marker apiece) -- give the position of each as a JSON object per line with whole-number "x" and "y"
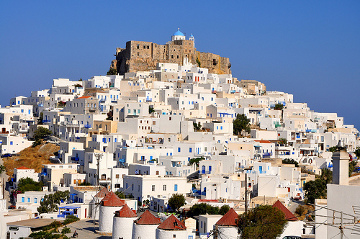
{"x": 123, "y": 223}
{"x": 228, "y": 231}
{"x": 170, "y": 234}
{"x": 94, "y": 204}
{"x": 145, "y": 226}
{"x": 108, "y": 206}
{"x": 171, "y": 228}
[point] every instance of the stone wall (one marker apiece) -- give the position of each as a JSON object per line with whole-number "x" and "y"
{"x": 143, "y": 56}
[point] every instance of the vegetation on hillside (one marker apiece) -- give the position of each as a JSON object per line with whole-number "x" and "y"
{"x": 195, "y": 161}
{"x": 262, "y": 222}
{"x": 112, "y": 71}
{"x": 27, "y": 184}
{"x": 240, "y": 124}
{"x": 40, "y": 134}
{"x": 51, "y": 201}
{"x": 290, "y": 161}
{"x": 31, "y": 157}
{"x": 317, "y": 189}
{"x": 204, "y": 208}
{"x": 279, "y": 107}
{"x": 176, "y": 201}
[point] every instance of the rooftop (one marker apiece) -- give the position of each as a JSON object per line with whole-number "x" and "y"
{"x": 172, "y": 223}
{"x": 32, "y": 223}
{"x": 288, "y": 215}
{"x": 125, "y": 211}
{"x": 147, "y": 219}
{"x": 229, "y": 219}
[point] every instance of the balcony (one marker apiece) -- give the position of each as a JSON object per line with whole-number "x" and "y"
{"x": 87, "y": 126}
{"x": 267, "y": 155}
{"x": 46, "y": 121}
{"x": 75, "y": 158}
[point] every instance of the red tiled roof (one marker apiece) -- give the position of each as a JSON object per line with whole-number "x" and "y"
{"x": 263, "y": 141}
{"x": 172, "y": 223}
{"x": 288, "y": 215}
{"x": 103, "y": 192}
{"x": 22, "y": 167}
{"x": 147, "y": 219}
{"x": 208, "y": 200}
{"x": 125, "y": 211}
{"x": 229, "y": 219}
{"x": 111, "y": 200}
{"x": 84, "y": 97}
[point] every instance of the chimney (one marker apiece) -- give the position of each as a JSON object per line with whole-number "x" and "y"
{"x": 341, "y": 167}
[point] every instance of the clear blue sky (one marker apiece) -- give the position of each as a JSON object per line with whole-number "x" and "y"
{"x": 308, "y": 48}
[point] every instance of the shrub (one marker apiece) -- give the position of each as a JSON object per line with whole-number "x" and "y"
{"x": 70, "y": 219}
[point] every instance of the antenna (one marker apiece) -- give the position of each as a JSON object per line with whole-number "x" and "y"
{"x": 96, "y": 199}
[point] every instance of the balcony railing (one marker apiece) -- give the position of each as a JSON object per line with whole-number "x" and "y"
{"x": 75, "y": 158}
{"x": 88, "y": 126}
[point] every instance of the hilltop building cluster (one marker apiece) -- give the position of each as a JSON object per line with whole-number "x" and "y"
{"x": 141, "y": 132}
{"x": 144, "y": 56}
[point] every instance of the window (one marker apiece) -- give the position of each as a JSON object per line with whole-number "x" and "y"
{"x": 22, "y": 199}
{"x": 117, "y": 185}
{"x": 117, "y": 176}
{"x": 28, "y": 199}
{"x": 35, "y": 200}
{"x": 179, "y": 149}
{"x": 11, "y": 142}
{"x": 175, "y": 187}
{"x": 153, "y": 188}
{"x": 190, "y": 150}
{"x": 164, "y": 187}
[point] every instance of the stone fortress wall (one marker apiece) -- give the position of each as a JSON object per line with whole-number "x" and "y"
{"x": 143, "y": 56}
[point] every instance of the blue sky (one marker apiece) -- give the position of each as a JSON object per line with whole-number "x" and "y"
{"x": 308, "y": 48}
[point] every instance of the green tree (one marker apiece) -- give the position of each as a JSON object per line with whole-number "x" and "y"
{"x": 333, "y": 149}
{"x": 326, "y": 175}
{"x": 264, "y": 222}
{"x": 28, "y": 184}
{"x": 282, "y": 141}
{"x": 241, "y": 123}
{"x": 300, "y": 210}
{"x": 176, "y": 201}
{"x": 197, "y": 126}
{"x": 357, "y": 152}
{"x": 198, "y": 62}
{"x": 41, "y": 133}
{"x": 151, "y": 109}
{"x": 352, "y": 165}
{"x": 51, "y": 201}
{"x": 202, "y": 208}
{"x": 196, "y": 161}
{"x": 2, "y": 169}
{"x": 120, "y": 194}
{"x": 290, "y": 161}
{"x": 224, "y": 209}
{"x": 279, "y": 107}
{"x": 112, "y": 71}
{"x": 314, "y": 190}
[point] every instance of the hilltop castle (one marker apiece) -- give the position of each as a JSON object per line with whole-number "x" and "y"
{"x": 143, "y": 56}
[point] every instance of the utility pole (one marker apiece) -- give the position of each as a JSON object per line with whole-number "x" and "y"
{"x": 246, "y": 192}
{"x": 341, "y": 227}
{"x": 216, "y": 232}
{"x": 98, "y": 157}
{"x": 96, "y": 199}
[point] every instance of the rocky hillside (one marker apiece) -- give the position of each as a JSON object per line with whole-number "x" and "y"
{"x": 31, "y": 157}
